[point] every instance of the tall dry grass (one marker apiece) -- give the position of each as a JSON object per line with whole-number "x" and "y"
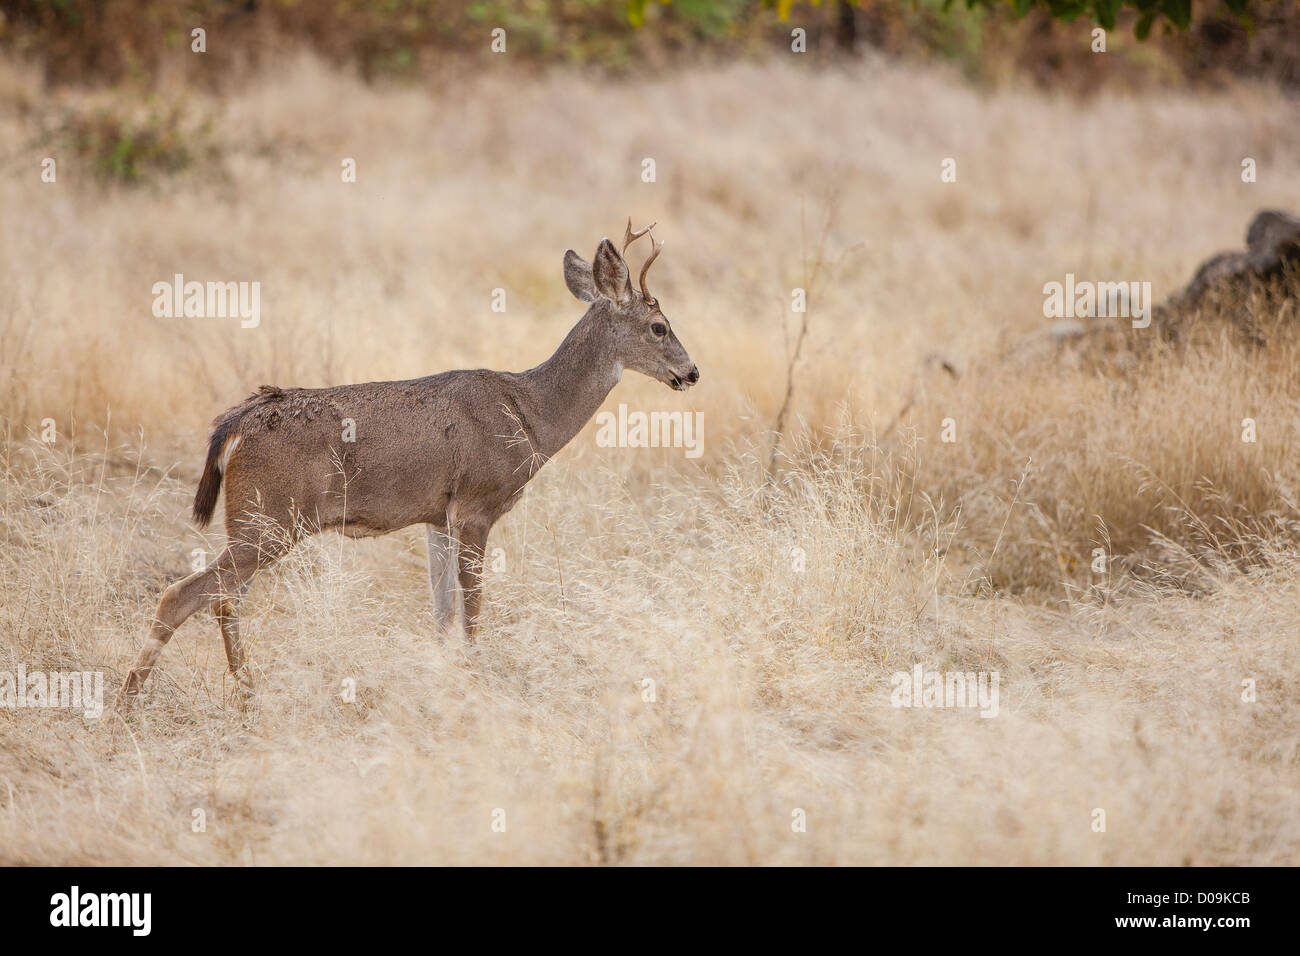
{"x": 1142, "y": 456}
{"x": 771, "y": 693}
{"x": 771, "y": 678}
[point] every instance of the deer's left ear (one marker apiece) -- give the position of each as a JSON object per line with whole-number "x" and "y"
{"x": 577, "y": 276}
{"x": 609, "y": 272}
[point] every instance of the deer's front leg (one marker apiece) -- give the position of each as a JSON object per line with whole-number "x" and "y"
{"x": 473, "y": 540}
{"x": 442, "y": 576}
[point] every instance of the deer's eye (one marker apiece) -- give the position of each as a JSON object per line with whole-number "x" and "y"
{"x": 658, "y": 328}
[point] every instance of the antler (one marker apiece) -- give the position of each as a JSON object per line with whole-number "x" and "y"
{"x": 630, "y": 236}
{"x": 655, "y": 248}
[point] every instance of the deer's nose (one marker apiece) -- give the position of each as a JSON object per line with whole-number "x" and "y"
{"x": 694, "y": 375}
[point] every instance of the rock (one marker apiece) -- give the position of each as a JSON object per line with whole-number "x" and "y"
{"x": 1272, "y": 240}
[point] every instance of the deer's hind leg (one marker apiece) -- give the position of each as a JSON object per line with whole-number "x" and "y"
{"x": 178, "y": 602}
{"x": 226, "y": 610}
{"x": 246, "y": 556}
{"x": 218, "y": 584}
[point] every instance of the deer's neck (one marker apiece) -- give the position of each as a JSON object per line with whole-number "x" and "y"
{"x": 568, "y": 388}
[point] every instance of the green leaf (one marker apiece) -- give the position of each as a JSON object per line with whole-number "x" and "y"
{"x": 1179, "y": 12}
{"x": 1143, "y": 28}
{"x": 1106, "y": 11}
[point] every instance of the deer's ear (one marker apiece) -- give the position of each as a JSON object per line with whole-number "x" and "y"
{"x": 609, "y": 272}
{"x": 577, "y": 276}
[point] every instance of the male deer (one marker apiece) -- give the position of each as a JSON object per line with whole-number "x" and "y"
{"x": 450, "y": 451}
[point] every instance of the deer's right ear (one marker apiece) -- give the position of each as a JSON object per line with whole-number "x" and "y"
{"x": 577, "y": 276}
{"x": 609, "y": 272}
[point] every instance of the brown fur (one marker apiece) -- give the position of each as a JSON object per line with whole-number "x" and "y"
{"x": 451, "y": 451}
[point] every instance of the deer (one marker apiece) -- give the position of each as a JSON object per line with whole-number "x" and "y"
{"x": 451, "y": 451}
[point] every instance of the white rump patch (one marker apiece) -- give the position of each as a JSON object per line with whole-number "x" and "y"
{"x": 232, "y": 443}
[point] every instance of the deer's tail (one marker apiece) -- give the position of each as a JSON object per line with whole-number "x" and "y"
{"x": 226, "y": 436}
{"x": 220, "y": 447}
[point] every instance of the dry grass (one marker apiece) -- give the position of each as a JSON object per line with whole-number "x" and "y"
{"x": 772, "y": 685}
{"x": 1144, "y": 459}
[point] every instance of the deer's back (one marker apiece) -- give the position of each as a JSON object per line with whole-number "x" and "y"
{"x": 378, "y": 456}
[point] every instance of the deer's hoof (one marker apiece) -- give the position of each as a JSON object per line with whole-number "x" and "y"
{"x": 245, "y": 697}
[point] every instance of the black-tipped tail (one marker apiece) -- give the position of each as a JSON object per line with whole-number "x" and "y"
{"x": 205, "y": 499}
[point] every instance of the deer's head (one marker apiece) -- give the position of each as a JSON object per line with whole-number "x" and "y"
{"x": 644, "y": 340}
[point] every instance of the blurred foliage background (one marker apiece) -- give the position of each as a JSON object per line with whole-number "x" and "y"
{"x": 1048, "y": 41}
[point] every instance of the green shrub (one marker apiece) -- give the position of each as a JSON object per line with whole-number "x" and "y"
{"x": 129, "y": 150}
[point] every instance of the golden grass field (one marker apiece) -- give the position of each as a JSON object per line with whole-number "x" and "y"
{"x": 1120, "y": 691}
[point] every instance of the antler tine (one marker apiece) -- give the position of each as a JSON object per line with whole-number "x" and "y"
{"x": 629, "y": 237}
{"x": 657, "y": 248}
